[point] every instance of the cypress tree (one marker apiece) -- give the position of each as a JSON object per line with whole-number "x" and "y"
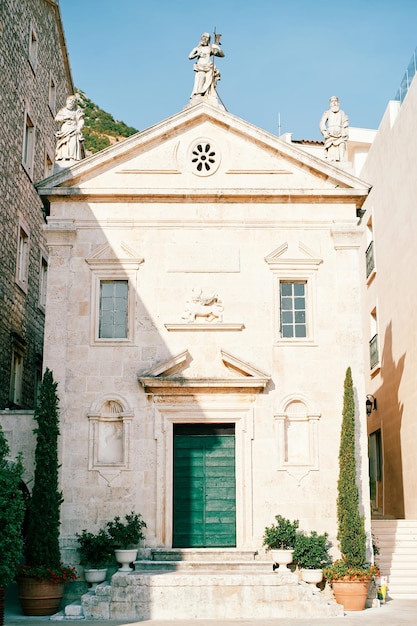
{"x": 351, "y": 528}
{"x": 42, "y": 547}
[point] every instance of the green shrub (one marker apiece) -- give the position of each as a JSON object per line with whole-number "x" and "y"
{"x": 96, "y": 550}
{"x": 280, "y": 536}
{"x": 311, "y": 551}
{"x": 128, "y": 533}
{"x": 12, "y": 511}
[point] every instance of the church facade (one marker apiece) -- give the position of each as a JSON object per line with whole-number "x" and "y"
{"x": 203, "y": 305}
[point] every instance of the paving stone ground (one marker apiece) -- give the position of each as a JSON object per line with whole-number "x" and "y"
{"x": 392, "y": 613}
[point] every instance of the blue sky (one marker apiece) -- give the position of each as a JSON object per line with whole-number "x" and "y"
{"x": 281, "y": 58}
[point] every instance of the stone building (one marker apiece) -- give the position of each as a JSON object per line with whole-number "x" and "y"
{"x": 35, "y": 80}
{"x": 203, "y": 293}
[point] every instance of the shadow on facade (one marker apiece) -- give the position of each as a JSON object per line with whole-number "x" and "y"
{"x": 388, "y": 419}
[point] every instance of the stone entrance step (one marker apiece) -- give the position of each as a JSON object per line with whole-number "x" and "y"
{"x": 202, "y": 554}
{"x": 207, "y": 594}
{"x": 213, "y": 560}
{"x": 202, "y": 566}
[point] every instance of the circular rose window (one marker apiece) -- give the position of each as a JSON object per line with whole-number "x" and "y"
{"x": 204, "y": 158}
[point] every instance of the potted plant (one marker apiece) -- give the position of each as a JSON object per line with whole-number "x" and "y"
{"x": 12, "y": 511}
{"x": 349, "y": 576}
{"x": 125, "y": 536}
{"x": 311, "y": 554}
{"x": 42, "y": 577}
{"x": 96, "y": 551}
{"x": 280, "y": 538}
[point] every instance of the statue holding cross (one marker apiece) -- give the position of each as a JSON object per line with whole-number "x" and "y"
{"x": 206, "y": 73}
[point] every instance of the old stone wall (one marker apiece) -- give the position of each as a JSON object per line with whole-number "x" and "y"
{"x": 29, "y": 87}
{"x": 18, "y": 428}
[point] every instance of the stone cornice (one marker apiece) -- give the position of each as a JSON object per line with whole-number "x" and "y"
{"x": 152, "y": 195}
{"x": 184, "y": 326}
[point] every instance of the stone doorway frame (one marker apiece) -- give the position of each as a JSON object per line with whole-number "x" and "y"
{"x": 178, "y": 399}
{"x": 203, "y": 411}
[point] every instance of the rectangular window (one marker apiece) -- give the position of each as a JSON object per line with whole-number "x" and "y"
{"x": 375, "y": 470}
{"x": 52, "y": 94}
{"x": 33, "y": 49}
{"x": 49, "y": 166}
{"x": 370, "y": 252}
{"x": 16, "y": 379}
{"x": 42, "y": 282}
{"x": 370, "y": 260}
{"x": 373, "y": 344}
{"x": 28, "y": 144}
{"x": 113, "y": 309}
{"x": 375, "y": 455}
{"x": 293, "y": 318}
{"x": 38, "y": 377}
{"x": 22, "y": 259}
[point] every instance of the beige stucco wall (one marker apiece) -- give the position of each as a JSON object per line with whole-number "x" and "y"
{"x": 392, "y": 223}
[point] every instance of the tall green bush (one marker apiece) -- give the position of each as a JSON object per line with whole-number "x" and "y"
{"x": 12, "y": 511}
{"x": 42, "y": 548}
{"x": 351, "y": 528}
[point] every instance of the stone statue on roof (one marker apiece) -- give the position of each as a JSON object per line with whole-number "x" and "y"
{"x": 206, "y": 73}
{"x": 334, "y": 126}
{"x": 70, "y": 147}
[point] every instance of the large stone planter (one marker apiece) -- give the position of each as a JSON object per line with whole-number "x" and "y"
{"x": 312, "y": 576}
{"x": 352, "y": 594}
{"x": 125, "y": 557}
{"x": 39, "y": 597}
{"x": 95, "y": 576}
{"x": 282, "y": 557}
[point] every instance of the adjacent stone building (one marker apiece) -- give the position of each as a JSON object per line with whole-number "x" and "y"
{"x": 35, "y": 80}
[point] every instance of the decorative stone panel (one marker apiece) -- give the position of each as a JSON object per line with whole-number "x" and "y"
{"x": 297, "y": 437}
{"x": 109, "y": 436}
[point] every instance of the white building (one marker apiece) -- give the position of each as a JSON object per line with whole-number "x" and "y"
{"x": 204, "y": 294}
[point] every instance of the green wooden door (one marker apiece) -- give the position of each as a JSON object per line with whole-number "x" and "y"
{"x": 204, "y": 486}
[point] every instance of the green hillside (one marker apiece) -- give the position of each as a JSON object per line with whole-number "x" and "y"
{"x": 100, "y": 129}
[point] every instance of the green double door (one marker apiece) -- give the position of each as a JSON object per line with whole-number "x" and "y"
{"x": 204, "y": 498}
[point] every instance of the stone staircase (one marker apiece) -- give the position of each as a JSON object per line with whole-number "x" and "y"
{"x": 397, "y": 542}
{"x": 206, "y": 584}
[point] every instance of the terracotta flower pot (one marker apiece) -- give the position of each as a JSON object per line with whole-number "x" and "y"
{"x": 39, "y": 597}
{"x": 352, "y": 594}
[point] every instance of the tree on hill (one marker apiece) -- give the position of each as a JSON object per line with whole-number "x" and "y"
{"x": 100, "y": 128}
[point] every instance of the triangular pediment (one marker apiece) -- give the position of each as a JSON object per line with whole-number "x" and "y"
{"x": 204, "y": 152}
{"x": 296, "y": 254}
{"x": 110, "y": 255}
{"x": 172, "y": 377}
